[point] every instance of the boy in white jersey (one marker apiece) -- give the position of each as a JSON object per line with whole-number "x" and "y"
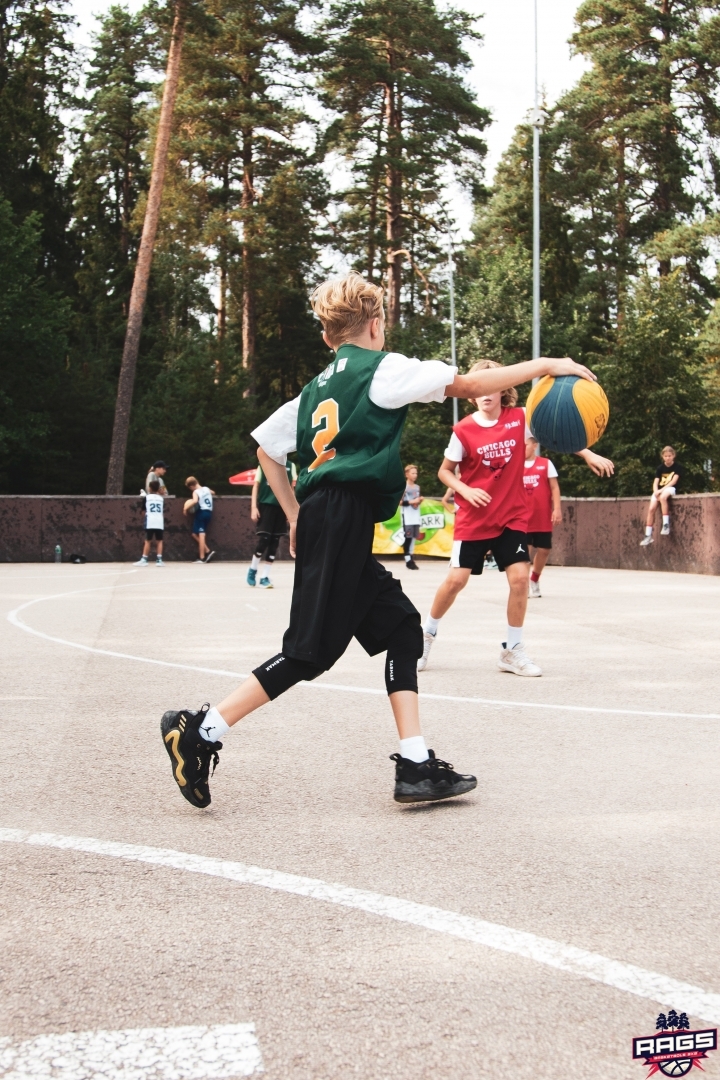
{"x": 154, "y": 524}
{"x": 346, "y": 427}
{"x": 202, "y": 497}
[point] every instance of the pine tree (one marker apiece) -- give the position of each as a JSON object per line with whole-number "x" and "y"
{"x": 393, "y": 74}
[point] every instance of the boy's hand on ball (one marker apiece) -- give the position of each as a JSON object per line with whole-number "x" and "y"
{"x": 601, "y": 466}
{"x": 475, "y": 496}
{"x": 566, "y": 366}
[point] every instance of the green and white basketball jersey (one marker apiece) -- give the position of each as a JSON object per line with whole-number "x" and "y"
{"x": 265, "y": 492}
{"x": 344, "y": 438}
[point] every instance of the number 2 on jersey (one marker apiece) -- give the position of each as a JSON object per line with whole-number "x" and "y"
{"x": 330, "y": 413}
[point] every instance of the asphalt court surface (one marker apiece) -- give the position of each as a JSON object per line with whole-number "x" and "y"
{"x": 594, "y": 828}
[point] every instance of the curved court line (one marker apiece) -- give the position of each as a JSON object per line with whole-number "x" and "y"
{"x": 14, "y": 618}
{"x": 588, "y": 965}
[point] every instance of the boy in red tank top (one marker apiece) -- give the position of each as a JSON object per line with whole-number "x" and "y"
{"x": 545, "y": 509}
{"x": 492, "y": 514}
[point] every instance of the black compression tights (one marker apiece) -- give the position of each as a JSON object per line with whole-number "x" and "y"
{"x": 404, "y": 649}
{"x": 267, "y": 546}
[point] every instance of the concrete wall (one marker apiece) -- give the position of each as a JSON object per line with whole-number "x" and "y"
{"x": 105, "y": 528}
{"x": 607, "y": 533}
{"x": 109, "y": 528}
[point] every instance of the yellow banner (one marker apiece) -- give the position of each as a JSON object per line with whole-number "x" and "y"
{"x": 436, "y": 532}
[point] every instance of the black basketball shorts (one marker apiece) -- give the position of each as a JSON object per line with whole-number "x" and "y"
{"x": 540, "y": 539}
{"x": 511, "y": 546}
{"x": 154, "y": 534}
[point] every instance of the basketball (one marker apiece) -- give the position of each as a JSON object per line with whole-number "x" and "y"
{"x": 189, "y": 507}
{"x": 567, "y": 413}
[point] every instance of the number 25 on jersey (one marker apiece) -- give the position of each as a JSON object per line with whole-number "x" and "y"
{"x": 328, "y": 412}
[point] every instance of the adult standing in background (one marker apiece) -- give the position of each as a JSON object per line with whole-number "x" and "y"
{"x": 157, "y": 473}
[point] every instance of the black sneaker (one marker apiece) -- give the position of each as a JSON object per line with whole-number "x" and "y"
{"x": 190, "y": 753}
{"x": 209, "y": 556}
{"x": 412, "y": 565}
{"x": 429, "y": 781}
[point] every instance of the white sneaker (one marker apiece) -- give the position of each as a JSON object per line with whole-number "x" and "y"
{"x": 427, "y": 646}
{"x": 647, "y": 540}
{"x": 518, "y": 662}
{"x": 665, "y": 531}
{"x": 141, "y": 562}
{"x": 534, "y": 589}
{"x": 159, "y": 562}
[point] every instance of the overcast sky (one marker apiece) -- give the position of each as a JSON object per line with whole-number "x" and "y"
{"x": 502, "y": 73}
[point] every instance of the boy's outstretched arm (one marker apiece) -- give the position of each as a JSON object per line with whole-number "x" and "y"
{"x": 495, "y": 380}
{"x": 277, "y": 477}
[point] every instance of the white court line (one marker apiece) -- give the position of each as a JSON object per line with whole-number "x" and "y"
{"x": 14, "y": 618}
{"x": 180, "y": 1053}
{"x": 588, "y": 965}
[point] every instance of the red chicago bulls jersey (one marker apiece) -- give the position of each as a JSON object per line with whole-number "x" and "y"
{"x": 493, "y": 459}
{"x": 537, "y": 488}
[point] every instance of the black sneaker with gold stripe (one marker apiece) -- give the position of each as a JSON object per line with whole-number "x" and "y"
{"x": 190, "y": 753}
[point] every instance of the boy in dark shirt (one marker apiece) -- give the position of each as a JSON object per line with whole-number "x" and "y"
{"x": 665, "y": 485}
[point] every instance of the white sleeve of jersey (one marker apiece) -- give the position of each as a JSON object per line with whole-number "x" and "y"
{"x": 400, "y": 380}
{"x": 552, "y": 471}
{"x": 455, "y": 451}
{"x": 278, "y": 434}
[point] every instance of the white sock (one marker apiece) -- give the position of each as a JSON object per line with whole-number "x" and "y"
{"x": 666, "y": 519}
{"x": 414, "y": 749}
{"x": 430, "y": 626}
{"x": 648, "y": 530}
{"x": 255, "y": 562}
{"x": 213, "y": 727}
{"x": 408, "y": 558}
{"x": 514, "y": 636}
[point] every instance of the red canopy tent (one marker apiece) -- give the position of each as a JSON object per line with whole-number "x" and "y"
{"x": 246, "y": 478}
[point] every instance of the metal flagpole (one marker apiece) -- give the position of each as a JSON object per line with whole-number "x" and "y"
{"x": 451, "y": 268}
{"x": 537, "y": 124}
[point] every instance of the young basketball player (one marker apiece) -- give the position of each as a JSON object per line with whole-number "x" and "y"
{"x": 545, "y": 508}
{"x": 154, "y": 524}
{"x": 410, "y": 513}
{"x": 271, "y": 525}
{"x": 202, "y": 498}
{"x": 665, "y": 485}
{"x": 346, "y": 427}
{"x": 492, "y": 513}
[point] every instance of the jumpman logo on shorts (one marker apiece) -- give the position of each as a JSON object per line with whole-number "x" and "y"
{"x": 520, "y": 548}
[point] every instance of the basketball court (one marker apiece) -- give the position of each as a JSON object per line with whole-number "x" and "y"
{"x": 308, "y": 926}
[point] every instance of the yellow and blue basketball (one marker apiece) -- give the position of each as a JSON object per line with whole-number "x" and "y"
{"x": 567, "y": 413}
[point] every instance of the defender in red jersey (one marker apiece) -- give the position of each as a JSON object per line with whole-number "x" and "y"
{"x": 488, "y": 450}
{"x": 545, "y": 509}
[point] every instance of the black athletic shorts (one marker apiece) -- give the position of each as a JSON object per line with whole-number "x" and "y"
{"x": 154, "y": 534}
{"x": 272, "y": 519}
{"x": 340, "y": 591}
{"x": 540, "y": 539}
{"x": 511, "y": 546}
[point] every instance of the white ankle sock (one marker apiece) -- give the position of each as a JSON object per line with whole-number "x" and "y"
{"x": 414, "y": 749}
{"x": 430, "y": 626}
{"x": 255, "y": 562}
{"x": 648, "y": 530}
{"x": 666, "y": 519}
{"x": 213, "y": 726}
{"x": 514, "y": 636}
{"x": 408, "y": 558}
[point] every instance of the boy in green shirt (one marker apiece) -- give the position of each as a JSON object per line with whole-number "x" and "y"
{"x": 346, "y": 427}
{"x": 269, "y": 515}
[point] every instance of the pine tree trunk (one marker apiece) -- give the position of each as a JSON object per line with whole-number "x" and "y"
{"x": 621, "y": 229}
{"x": 126, "y": 382}
{"x": 393, "y": 204}
{"x": 248, "y": 305}
{"x": 222, "y": 305}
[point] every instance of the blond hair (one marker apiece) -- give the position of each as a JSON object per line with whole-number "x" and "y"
{"x": 409, "y": 467}
{"x": 509, "y": 396}
{"x": 345, "y": 305}
{"x": 669, "y": 450}
{"x": 191, "y": 482}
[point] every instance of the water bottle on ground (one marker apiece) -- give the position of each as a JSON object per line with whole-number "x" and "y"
{"x": 58, "y": 553}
